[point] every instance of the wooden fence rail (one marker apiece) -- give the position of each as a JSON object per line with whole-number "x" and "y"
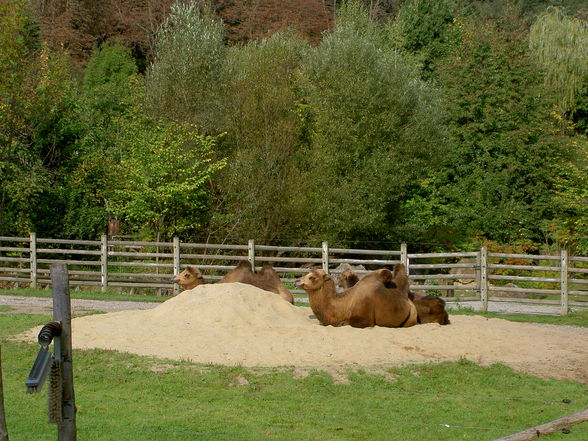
{"x": 147, "y": 266}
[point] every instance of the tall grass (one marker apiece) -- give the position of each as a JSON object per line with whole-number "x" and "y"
{"x": 124, "y": 397}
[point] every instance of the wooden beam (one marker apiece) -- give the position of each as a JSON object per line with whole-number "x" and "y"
{"x": 3, "y": 428}
{"x": 545, "y": 429}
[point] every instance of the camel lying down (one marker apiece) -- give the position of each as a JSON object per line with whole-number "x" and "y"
{"x": 430, "y": 309}
{"x": 267, "y": 278}
{"x": 190, "y": 278}
{"x": 378, "y": 299}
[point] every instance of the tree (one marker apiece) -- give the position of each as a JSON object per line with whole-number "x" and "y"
{"x": 507, "y": 150}
{"x": 36, "y": 105}
{"x": 429, "y": 29}
{"x": 569, "y": 228}
{"x": 258, "y": 188}
{"x": 559, "y": 44}
{"x": 160, "y": 184}
{"x": 376, "y": 129}
{"x": 182, "y": 82}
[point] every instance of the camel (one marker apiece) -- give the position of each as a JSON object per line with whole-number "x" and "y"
{"x": 378, "y": 299}
{"x": 267, "y": 278}
{"x": 430, "y": 309}
{"x": 190, "y": 278}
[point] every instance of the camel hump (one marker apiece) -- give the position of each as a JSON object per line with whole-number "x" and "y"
{"x": 348, "y": 279}
{"x": 399, "y": 269}
{"x": 268, "y": 272}
{"x": 244, "y": 264}
{"x": 401, "y": 278}
{"x": 386, "y": 277}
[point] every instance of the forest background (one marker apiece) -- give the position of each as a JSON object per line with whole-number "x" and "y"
{"x": 441, "y": 123}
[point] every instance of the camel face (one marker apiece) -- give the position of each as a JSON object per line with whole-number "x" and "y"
{"x": 190, "y": 278}
{"x": 313, "y": 280}
{"x": 430, "y": 309}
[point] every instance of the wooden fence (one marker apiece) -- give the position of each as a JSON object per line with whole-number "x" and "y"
{"x": 149, "y": 266}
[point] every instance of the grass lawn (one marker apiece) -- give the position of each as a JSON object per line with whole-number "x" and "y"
{"x": 89, "y": 295}
{"x": 579, "y": 318}
{"x": 129, "y": 398}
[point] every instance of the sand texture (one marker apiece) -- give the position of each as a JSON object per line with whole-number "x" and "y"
{"x": 237, "y": 324}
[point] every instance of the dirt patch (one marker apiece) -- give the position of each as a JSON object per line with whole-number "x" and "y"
{"x": 44, "y": 305}
{"x": 236, "y": 324}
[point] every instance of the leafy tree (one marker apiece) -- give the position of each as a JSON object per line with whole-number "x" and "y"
{"x": 36, "y": 104}
{"x": 559, "y": 43}
{"x": 257, "y": 189}
{"x": 507, "y": 151}
{"x": 427, "y": 28}
{"x": 376, "y": 129}
{"x": 182, "y": 83}
{"x": 570, "y": 226}
{"x": 77, "y": 197}
{"x": 160, "y": 184}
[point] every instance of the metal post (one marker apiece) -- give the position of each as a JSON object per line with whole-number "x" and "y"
{"x": 484, "y": 278}
{"x": 325, "y": 256}
{"x": 564, "y": 281}
{"x": 251, "y": 253}
{"x": 104, "y": 263}
{"x": 176, "y": 248}
{"x": 33, "y": 260}
{"x": 66, "y": 429}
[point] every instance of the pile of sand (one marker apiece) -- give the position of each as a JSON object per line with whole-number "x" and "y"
{"x": 237, "y": 324}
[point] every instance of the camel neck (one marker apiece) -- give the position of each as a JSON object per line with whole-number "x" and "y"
{"x": 325, "y": 303}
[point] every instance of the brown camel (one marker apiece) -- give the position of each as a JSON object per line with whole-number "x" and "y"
{"x": 378, "y": 299}
{"x": 190, "y": 278}
{"x": 430, "y": 309}
{"x": 267, "y": 278}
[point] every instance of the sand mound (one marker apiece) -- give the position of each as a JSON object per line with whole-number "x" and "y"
{"x": 237, "y": 324}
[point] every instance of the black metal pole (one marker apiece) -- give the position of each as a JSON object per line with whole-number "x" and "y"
{"x": 62, "y": 313}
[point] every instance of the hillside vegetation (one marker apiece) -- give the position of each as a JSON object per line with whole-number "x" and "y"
{"x": 442, "y": 123}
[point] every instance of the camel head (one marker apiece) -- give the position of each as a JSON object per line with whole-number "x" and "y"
{"x": 315, "y": 279}
{"x": 190, "y": 278}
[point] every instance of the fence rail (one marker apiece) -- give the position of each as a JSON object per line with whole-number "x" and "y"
{"x": 140, "y": 266}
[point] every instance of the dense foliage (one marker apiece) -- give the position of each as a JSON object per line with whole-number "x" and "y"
{"x": 449, "y": 123}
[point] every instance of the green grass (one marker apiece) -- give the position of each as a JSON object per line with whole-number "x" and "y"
{"x": 89, "y": 295}
{"x": 572, "y": 319}
{"x": 129, "y": 398}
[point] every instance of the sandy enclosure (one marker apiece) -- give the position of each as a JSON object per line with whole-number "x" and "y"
{"x": 237, "y": 324}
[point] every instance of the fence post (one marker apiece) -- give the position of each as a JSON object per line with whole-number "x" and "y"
{"x": 66, "y": 430}
{"x": 484, "y": 278}
{"x": 33, "y": 259}
{"x": 251, "y": 253}
{"x": 104, "y": 263}
{"x": 564, "y": 281}
{"x": 404, "y": 257}
{"x": 325, "y": 256}
{"x": 3, "y": 427}
{"x": 176, "y": 248}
